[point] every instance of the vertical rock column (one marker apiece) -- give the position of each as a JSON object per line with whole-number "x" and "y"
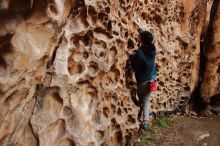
{"x": 211, "y": 83}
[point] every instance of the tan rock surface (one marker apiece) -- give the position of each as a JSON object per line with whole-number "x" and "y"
{"x": 211, "y": 84}
{"x": 64, "y": 79}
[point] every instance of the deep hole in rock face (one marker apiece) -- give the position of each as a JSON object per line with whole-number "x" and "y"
{"x": 125, "y": 109}
{"x": 109, "y": 26}
{"x": 101, "y": 54}
{"x": 18, "y": 8}
{"x": 126, "y": 34}
{"x": 130, "y": 44}
{"x": 218, "y": 70}
{"x": 107, "y": 10}
{"x": 119, "y": 14}
{"x": 85, "y": 55}
{"x": 103, "y": 31}
{"x": 158, "y": 19}
{"x": 115, "y": 33}
{"x": 128, "y": 139}
{"x": 113, "y": 121}
{"x": 78, "y": 4}
{"x": 53, "y": 8}
{"x": 75, "y": 67}
{"x": 196, "y": 102}
{"x": 161, "y": 83}
{"x": 102, "y": 16}
{"x": 113, "y": 108}
{"x": 82, "y": 18}
{"x": 117, "y": 137}
{"x": 85, "y": 40}
{"x": 215, "y": 100}
{"x": 144, "y": 15}
{"x": 93, "y": 68}
{"x": 119, "y": 112}
{"x": 106, "y": 112}
{"x": 99, "y": 48}
{"x": 92, "y": 15}
{"x": 114, "y": 98}
{"x": 5, "y": 48}
{"x": 187, "y": 88}
{"x": 182, "y": 43}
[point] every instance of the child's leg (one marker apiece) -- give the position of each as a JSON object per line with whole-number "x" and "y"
{"x": 144, "y": 95}
{"x": 146, "y": 107}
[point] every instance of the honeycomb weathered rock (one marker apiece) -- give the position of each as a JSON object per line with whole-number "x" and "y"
{"x": 64, "y": 66}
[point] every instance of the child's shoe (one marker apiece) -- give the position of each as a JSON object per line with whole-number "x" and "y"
{"x": 145, "y": 126}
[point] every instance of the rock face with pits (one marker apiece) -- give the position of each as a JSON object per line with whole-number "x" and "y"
{"x": 65, "y": 74}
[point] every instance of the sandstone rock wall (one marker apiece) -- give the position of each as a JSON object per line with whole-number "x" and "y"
{"x": 211, "y": 83}
{"x": 65, "y": 74}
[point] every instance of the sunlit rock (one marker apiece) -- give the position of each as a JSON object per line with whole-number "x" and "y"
{"x": 64, "y": 67}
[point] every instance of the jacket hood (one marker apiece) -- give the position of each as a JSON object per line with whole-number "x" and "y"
{"x": 149, "y": 48}
{"x": 146, "y": 37}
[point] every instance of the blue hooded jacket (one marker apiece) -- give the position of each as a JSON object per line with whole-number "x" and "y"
{"x": 143, "y": 63}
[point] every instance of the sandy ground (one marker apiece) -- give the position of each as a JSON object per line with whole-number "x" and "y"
{"x": 188, "y": 131}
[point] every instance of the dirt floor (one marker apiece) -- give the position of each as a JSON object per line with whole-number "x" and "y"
{"x": 182, "y": 131}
